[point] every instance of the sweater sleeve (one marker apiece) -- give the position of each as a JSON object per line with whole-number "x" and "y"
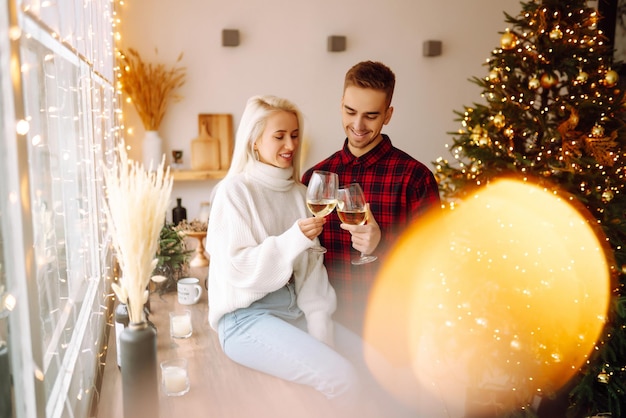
{"x": 245, "y": 256}
{"x": 316, "y": 297}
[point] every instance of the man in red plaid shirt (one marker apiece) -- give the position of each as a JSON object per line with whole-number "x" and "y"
{"x": 397, "y": 187}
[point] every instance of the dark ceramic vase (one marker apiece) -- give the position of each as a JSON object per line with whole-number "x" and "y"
{"x": 5, "y": 382}
{"x": 140, "y": 387}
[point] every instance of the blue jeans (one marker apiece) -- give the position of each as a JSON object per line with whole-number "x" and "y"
{"x": 270, "y": 336}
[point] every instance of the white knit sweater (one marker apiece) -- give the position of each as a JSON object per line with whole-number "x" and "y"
{"x": 255, "y": 246}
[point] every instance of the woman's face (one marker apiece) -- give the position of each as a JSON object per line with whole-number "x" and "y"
{"x": 280, "y": 139}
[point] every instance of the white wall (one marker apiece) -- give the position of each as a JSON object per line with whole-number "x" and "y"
{"x": 283, "y": 52}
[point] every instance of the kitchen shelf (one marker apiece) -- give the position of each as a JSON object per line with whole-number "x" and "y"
{"x": 190, "y": 175}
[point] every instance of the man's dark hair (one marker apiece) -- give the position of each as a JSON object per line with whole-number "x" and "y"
{"x": 373, "y": 75}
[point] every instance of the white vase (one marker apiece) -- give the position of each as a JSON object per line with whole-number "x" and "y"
{"x": 152, "y": 150}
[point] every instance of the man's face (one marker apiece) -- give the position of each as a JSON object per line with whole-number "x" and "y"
{"x": 364, "y": 111}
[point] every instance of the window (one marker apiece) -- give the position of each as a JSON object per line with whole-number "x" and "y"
{"x": 58, "y": 113}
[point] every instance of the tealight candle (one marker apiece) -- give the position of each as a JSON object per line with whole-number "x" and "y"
{"x": 180, "y": 324}
{"x": 174, "y": 377}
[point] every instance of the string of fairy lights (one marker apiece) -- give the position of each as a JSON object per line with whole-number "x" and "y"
{"x": 537, "y": 118}
{"x": 589, "y": 82}
{"x": 117, "y": 36}
{"x": 91, "y": 40}
{"x": 504, "y": 91}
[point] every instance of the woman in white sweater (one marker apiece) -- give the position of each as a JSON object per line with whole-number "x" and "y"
{"x": 269, "y": 298}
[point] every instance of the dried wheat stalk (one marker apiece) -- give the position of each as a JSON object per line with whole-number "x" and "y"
{"x": 151, "y": 87}
{"x": 137, "y": 202}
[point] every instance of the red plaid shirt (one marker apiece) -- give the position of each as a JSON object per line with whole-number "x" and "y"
{"x": 399, "y": 189}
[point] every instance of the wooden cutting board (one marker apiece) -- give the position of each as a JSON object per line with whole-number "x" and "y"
{"x": 220, "y": 126}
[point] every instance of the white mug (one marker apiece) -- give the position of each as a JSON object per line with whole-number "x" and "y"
{"x": 189, "y": 290}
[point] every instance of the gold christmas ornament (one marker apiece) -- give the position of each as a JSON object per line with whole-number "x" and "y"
{"x": 494, "y": 76}
{"x": 548, "y": 80}
{"x": 607, "y": 196}
{"x": 582, "y": 77}
{"x": 508, "y": 40}
{"x": 534, "y": 83}
{"x": 556, "y": 34}
{"x": 478, "y": 130}
{"x": 597, "y": 131}
{"x": 498, "y": 121}
{"x": 611, "y": 78}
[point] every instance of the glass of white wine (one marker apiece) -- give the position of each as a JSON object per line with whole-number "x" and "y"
{"x": 352, "y": 210}
{"x": 321, "y": 196}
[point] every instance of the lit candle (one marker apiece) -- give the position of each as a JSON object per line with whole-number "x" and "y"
{"x": 180, "y": 326}
{"x": 175, "y": 380}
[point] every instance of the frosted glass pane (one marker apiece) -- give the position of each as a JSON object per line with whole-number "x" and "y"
{"x": 68, "y": 101}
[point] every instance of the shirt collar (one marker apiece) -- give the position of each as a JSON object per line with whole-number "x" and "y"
{"x": 371, "y": 157}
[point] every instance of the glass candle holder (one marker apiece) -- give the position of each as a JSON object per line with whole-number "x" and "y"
{"x": 174, "y": 377}
{"x": 180, "y": 324}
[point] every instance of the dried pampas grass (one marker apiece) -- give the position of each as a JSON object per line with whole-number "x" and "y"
{"x": 151, "y": 87}
{"x": 137, "y": 202}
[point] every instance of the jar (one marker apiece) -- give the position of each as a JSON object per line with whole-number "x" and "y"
{"x": 205, "y": 210}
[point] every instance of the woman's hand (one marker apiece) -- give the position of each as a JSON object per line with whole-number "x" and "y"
{"x": 312, "y": 227}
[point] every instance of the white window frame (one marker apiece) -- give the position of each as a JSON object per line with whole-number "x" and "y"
{"x": 82, "y": 325}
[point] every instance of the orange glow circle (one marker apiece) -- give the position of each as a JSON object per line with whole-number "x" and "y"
{"x": 503, "y": 297}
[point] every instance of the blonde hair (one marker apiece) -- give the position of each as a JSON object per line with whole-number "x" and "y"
{"x": 251, "y": 126}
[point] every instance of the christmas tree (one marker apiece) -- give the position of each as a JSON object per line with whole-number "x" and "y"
{"x": 554, "y": 112}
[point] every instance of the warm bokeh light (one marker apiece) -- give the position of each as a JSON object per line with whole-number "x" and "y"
{"x": 504, "y": 296}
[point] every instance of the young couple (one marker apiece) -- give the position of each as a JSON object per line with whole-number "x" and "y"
{"x": 272, "y": 302}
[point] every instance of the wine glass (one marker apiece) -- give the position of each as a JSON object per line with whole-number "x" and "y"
{"x": 321, "y": 197}
{"x": 352, "y": 210}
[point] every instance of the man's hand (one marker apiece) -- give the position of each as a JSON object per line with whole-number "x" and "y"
{"x": 365, "y": 238}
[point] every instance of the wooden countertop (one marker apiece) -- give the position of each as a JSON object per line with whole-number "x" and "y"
{"x": 219, "y": 387}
